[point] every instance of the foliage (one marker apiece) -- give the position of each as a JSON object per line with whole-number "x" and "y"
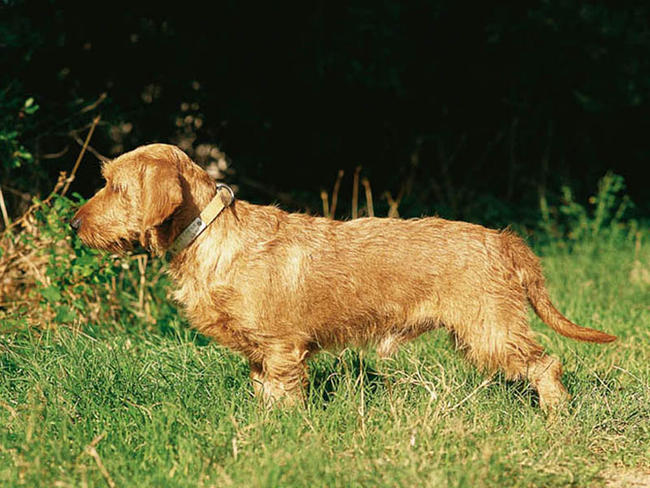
{"x": 13, "y": 153}
{"x": 603, "y": 223}
{"x": 18, "y": 169}
{"x": 67, "y": 283}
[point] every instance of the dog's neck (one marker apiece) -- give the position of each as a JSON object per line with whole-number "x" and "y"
{"x": 223, "y": 198}
{"x": 212, "y": 254}
{"x": 198, "y": 190}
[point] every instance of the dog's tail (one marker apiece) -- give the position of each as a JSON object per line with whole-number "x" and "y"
{"x": 529, "y": 271}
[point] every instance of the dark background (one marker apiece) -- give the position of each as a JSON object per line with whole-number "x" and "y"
{"x": 471, "y": 110}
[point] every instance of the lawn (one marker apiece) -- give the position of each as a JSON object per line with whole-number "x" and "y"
{"x": 128, "y": 405}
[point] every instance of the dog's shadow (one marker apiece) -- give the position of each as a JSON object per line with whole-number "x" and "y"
{"x": 349, "y": 374}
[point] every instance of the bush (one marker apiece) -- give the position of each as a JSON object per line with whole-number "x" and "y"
{"x": 50, "y": 278}
{"x": 603, "y": 223}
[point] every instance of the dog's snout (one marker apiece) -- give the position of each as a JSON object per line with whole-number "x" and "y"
{"x": 75, "y": 223}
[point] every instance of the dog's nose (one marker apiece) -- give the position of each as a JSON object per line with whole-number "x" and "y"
{"x": 75, "y": 223}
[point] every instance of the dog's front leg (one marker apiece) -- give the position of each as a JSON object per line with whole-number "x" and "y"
{"x": 281, "y": 376}
{"x": 257, "y": 378}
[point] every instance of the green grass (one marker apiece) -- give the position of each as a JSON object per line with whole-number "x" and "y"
{"x": 168, "y": 408}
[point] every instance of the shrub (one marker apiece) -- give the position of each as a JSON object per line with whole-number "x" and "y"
{"x": 603, "y": 223}
{"x": 49, "y": 277}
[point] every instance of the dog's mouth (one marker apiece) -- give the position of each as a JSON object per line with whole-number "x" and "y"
{"x": 122, "y": 246}
{"x": 119, "y": 245}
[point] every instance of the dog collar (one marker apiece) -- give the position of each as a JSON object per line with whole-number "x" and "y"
{"x": 198, "y": 225}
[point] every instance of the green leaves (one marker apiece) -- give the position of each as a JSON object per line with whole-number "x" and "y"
{"x": 30, "y": 107}
{"x": 13, "y": 154}
{"x": 68, "y": 282}
{"x": 602, "y": 222}
{"x": 85, "y": 265}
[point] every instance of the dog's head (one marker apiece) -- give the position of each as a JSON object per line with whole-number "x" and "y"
{"x": 150, "y": 194}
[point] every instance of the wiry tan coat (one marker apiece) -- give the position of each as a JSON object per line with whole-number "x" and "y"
{"x": 278, "y": 287}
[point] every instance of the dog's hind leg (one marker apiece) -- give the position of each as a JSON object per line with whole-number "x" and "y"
{"x": 502, "y": 340}
{"x": 545, "y": 375}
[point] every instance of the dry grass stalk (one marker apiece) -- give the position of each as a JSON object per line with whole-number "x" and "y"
{"x": 335, "y": 194}
{"x": 326, "y": 205}
{"x": 369, "y": 205}
{"x": 393, "y": 204}
{"x": 30, "y": 211}
{"x": 142, "y": 269}
{"x": 70, "y": 179}
{"x": 3, "y": 207}
{"x": 355, "y": 193}
{"x": 91, "y": 450}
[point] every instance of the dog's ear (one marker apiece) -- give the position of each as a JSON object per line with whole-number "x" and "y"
{"x": 162, "y": 195}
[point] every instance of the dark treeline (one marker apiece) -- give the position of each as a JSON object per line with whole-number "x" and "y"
{"x": 473, "y": 109}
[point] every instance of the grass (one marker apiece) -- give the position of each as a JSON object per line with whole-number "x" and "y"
{"x": 129, "y": 406}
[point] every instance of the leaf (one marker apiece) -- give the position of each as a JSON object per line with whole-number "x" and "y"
{"x": 8, "y": 136}
{"x": 31, "y": 110}
{"x": 30, "y": 107}
{"x": 51, "y": 294}
{"x": 64, "y": 314}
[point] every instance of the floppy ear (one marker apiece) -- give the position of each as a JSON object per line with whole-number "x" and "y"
{"x": 161, "y": 196}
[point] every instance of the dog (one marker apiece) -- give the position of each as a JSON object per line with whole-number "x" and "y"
{"x": 277, "y": 287}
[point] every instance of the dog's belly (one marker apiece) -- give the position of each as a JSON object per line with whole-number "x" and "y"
{"x": 360, "y": 317}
